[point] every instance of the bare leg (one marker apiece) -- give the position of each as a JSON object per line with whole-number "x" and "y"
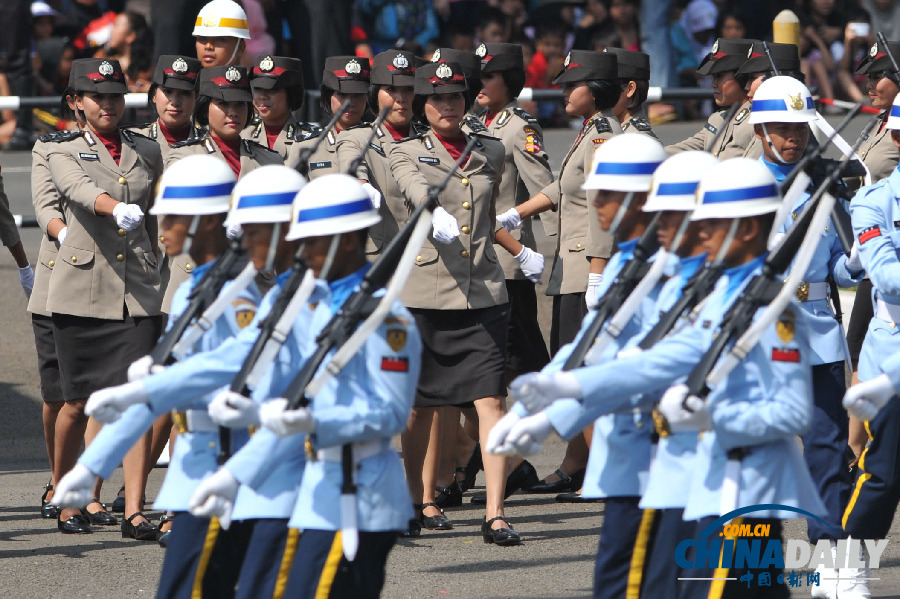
{"x": 134, "y": 468}
{"x": 48, "y": 416}
{"x": 431, "y": 461}
{"x": 576, "y": 455}
{"x": 92, "y": 430}
{"x": 490, "y": 410}
{"x": 858, "y": 436}
{"x": 68, "y": 437}
{"x": 450, "y": 431}
{"x": 414, "y": 442}
{"x": 161, "y": 429}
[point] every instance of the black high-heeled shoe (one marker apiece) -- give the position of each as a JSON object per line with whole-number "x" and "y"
{"x": 564, "y": 484}
{"x": 523, "y": 477}
{"x": 449, "y": 496}
{"x": 47, "y": 510}
{"x": 118, "y": 504}
{"x": 470, "y": 470}
{"x": 76, "y": 524}
{"x": 102, "y": 518}
{"x": 439, "y": 522}
{"x": 142, "y": 531}
{"x": 162, "y": 536}
{"x": 504, "y": 537}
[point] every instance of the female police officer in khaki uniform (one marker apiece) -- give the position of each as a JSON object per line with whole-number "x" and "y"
{"x": 456, "y": 291}
{"x": 104, "y": 291}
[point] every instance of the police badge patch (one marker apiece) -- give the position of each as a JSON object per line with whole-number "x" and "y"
{"x": 396, "y": 338}
{"x": 233, "y": 75}
{"x": 244, "y": 311}
{"x": 106, "y": 69}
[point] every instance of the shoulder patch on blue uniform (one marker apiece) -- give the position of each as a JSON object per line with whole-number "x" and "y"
{"x": 244, "y": 311}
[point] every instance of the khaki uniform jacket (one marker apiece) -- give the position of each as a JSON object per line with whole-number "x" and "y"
{"x": 639, "y": 123}
{"x": 293, "y": 131}
{"x": 579, "y": 235}
{"x": 47, "y": 206}
{"x": 100, "y": 267}
{"x": 324, "y": 160}
{"x": 376, "y": 169}
{"x": 880, "y": 154}
{"x": 737, "y": 141}
{"x": 9, "y": 233}
{"x": 253, "y": 155}
{"x": 526, "y": 172}
{"x": 464, "y": 274}
{"x": 172, "y": 271}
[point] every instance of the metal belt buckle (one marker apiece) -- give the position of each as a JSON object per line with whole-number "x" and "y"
{"x": 311, "y": 455}
{"x": 661, "y": 424}
{"x": 802, "y": 292}
{"x": 179, "y": 421}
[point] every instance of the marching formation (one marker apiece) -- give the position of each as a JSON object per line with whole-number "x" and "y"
{"x": 279, "y": 300}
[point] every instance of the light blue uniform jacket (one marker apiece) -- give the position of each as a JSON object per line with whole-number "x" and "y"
{"x": 875, "y": 211}
{"x": 194, "y": 455}
{"x": 826, "y": 335}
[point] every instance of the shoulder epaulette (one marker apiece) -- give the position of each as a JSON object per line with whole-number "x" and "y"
{"x": 192, "y": 141}
{"x": 130, "y": 134}
{"x": 475, "y": 124}
{"x": 639, "y": 123}
{"x": 304, "y": 131}
{"x": 601, "y": 124}
{"x": 742, "y": 114}
{"x": 60, "y": 136}
{"x": 250, "y": 145}
{"x": 523, "y": 114}
{"x": 257, "y": 125}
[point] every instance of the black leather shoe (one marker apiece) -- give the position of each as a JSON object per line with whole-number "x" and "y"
{"x": 523, "y": 477}
{"x": 413, "y": 530}
{"x": 450, "y": 496}
{"x": 143, "y": 531}
{"x": 118, "y": 505}
{"x": 77, "y": 524}
{"x": 565, "y": 483}
{"x": 47, "y": 510}
{"x": 102, "y": 517}
{"x": 162, "y": 536}
{"x": 575, "y": 497}
{"x": 504, "y": 537}
{"x": 470, "y": 470}
{"x": 439, "y": 522}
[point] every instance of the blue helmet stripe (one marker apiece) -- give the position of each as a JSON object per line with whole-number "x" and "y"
{"x": 192, "y": 192}
{"x": 626, "y": 168}
{"x": 735, "y": 195}
{"x": 777, "y": 105}
{"x": 266, "y": 199}
{"x": 677, "y": 189}
{"x": 305, "y": 215}
{"x": 895, "y": 110}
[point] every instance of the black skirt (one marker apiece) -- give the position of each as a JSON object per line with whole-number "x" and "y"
{"x": 463, "y": 355}
{"x": 48, "y": 364}
{"x": 525, "y": 348}
{"x": 95, "y": 353}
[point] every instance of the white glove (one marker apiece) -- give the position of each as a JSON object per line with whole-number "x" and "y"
{"x": 106, "y": 405}
{"x": 854, "y": 263}
{"x": 496, "y": 443}
{"x": 527, "y": 435}
{"x": 374, "y": 195}
{"x": 233, "y": 410}
{"x": 510, "y": 220}
{"x": 142, "y": 368}
{"x": 537, "y": 390}
{"x": 684, "y": 413}
{"x": 61, "y": 236}
{"x": 76, "y": 489}
{"x": 275, "y": 416}
{"x": 128, "y": 216}
{"x": 233, "y": 231}
{"x": 26, "y": 278}
{"x": 531, "y": 263}
{"x": 215, "y": 497}
{"x": 590, "y": 296}
{"x": 863, "y": 400}
{"x": 445, "y": 227}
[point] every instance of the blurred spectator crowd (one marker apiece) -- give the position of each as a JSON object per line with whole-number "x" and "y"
{"x": 835, "y": 35}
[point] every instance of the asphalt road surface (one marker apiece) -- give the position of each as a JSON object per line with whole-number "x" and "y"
{"x": 555, "y": 560}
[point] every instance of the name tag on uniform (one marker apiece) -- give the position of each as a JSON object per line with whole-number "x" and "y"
{"x": 428, "y": 160}
{"x": 88, "y": 156}
{"x": 711, "y": 128}
{"x": 317, "y": 165}
{"x": 378, "y": 149}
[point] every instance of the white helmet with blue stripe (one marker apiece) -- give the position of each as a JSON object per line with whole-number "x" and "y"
{"x": 675, "y": 182}
{"x": 782, "y": 99}
{"x": 625, "y": 163}
{"x": 265, "y": 195}
{"x": 194, "y": 186}
{"x": 331, "y": 205}
{"x": 893, "y": 121}
{"x": 736, "y": 188}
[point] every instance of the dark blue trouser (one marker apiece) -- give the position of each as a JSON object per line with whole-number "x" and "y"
{"x": 320, "y": 569}
{"x": 871, "y": 508}
{"x": 661, "y": 573}
{"x": 262, "y": 563}
{"x": 201, "y": 557}
{"x": 824, "y": 447}
{"x": 621, "y": 523}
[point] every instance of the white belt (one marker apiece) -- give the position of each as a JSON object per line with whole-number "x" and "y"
{"x": 361, "y": 451}
{"x": 195, "y": 421}
{"x": 887, "y": 312}
{"x": 809, "y": 292}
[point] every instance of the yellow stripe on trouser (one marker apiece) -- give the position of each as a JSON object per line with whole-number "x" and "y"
{"x": 287, "y": 559}
{"x": 212, "y": 533}
{"x": 329, "y": 570}
{"x": 639, "y": 555}
{"x": 860, "y": 481}
{"x": 717, "y": 588}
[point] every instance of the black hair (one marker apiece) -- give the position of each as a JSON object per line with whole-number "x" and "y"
{"x": 473, "y": 88}
{"x": 201, "y": 111}
{"x": 515, "y": 81}
{"x": 295, "y": 95}
{"x": 606, "y": 92}
{"x": 642, "y": 88}
{"x": 731, "y": 13}
{"x": 64, "y": 110}
{"x": 492, "y": 14}
{"x": 325, "y": 94}
{"x": 418, "y": 106}
{"x": 142, "y": 46}
{"x": 152, "y": 92}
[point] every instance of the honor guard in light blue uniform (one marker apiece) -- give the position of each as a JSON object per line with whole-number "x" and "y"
{"x": 360, "y": 410}
{"x": 762, "y": 404}
{"x": 263, "y": 215}
{"x": 875, "y": 211}
{"x": 783, "y": 109}
{"x": 622, "y": 445}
